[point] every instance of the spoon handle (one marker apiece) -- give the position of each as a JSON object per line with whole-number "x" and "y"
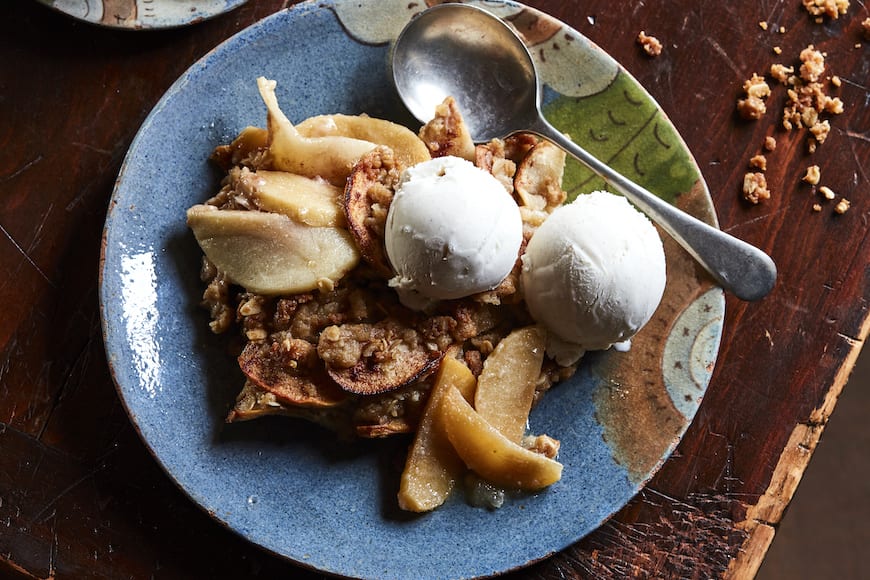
{"x": 737, "y": 266}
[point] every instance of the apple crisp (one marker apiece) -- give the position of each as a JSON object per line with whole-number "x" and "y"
{"x": 321, "y": 336}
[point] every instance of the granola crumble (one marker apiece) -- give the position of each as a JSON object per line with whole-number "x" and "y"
{"x": 812, "y": 175}
{"x": 830, "y": 8}
{"x": 650, "y": 44}
{"x": 755, "y": 187}
{"x": 758, "y": 162}
{"x": 757, "y": 90}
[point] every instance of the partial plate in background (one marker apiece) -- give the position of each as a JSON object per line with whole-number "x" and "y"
{"x": 143, "y": 14}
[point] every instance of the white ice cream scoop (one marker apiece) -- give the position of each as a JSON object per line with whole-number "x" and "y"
{"x": 593, "y": 274}
{"x": 452, "y": 231}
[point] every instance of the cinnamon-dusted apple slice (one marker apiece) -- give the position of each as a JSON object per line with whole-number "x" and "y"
{"x": 432, "y": 466}
{"x": 408, "y": 147}
{"x": 368, "y": 359}
{"x": 506, "y": 386}
{"x": 269, "y": 253}
{"x": 538, "y": 181}
{"x": 367, "y": 198}
{"x": 489, "y": 453}
{"x": 289, "y": 369}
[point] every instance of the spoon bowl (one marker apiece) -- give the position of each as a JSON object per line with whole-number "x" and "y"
{"x": 468, "y": 53}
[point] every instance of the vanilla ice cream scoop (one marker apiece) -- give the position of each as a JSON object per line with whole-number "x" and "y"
{"x": 452, "y": 231}
{"x": 593, "y": 274}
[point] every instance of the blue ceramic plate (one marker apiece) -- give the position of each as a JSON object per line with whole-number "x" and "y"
{"x": 143, "y": 14}
{"x": 291, "y": 487}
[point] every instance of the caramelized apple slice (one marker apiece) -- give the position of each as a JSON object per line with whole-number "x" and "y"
{"x": 489, "y": 453}
{"x": 268, "y": 253}
{"x": 331, "y": 158}
{"x": 506, "y": 386}
{"x": 408, "y": 147}
{"x": 433, "y": 467}
{"x": 309, "y": 201}
{"x": 538, "y": 181}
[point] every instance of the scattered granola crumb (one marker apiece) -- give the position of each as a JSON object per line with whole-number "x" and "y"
{"x": 817, "y": 207}
{"x": 777, "y": 50}
{"x": 758, "y": 162}
{"x": 842, "y": 206}
{"x": 812, "y": 64}
{"x": 756, "y": 89}
{"x": 829, "y": 8}
{"x": 866, "y": 26}
{"x": 782, "y": 29}
{"x": 807, "y": 98}
{"x": 650, "y": 44}
{"x": 827, "y": 192}
{"x": 763, "y": 24}
{"x": 836, "y": 81}
{"x": 813, "y": 175}
{"x": 755, "y": 187}
{"x": 769, "y": 143}
{"x": 781, "y": 73}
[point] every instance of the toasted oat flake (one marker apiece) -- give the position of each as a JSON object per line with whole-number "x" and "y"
{"x": 827, "y": 192}
{"x": 842, "y": 206}
{"x": 812, "y": 175}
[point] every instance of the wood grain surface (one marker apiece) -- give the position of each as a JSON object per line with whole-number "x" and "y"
{"x": 80, "y": 496}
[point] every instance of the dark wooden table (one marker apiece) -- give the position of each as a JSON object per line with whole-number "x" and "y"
{"x": 80, "y": 496}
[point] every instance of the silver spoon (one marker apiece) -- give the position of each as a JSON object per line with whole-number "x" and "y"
{"x": 466, "y": 52}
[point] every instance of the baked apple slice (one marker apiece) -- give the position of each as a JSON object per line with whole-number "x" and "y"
{"x": 269, "y": 253}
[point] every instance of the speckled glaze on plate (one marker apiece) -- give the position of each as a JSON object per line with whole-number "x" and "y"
{"x": 143, "y": 14}
{"x": 291, "y": 487}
